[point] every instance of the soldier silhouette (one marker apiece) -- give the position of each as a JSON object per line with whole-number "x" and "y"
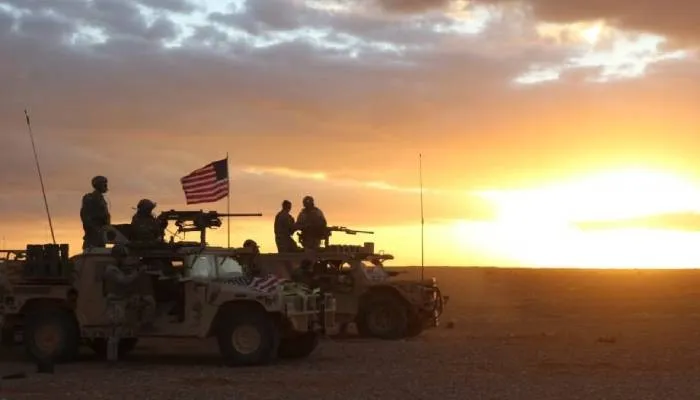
{"x": 94, "y": 213}
{"x": 312, "y": 224}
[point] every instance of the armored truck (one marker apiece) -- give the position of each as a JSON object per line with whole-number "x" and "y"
{"x": 375, "y": 299}
{"x": 58, "y": 303}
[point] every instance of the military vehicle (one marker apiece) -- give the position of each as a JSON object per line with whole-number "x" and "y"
{"x": 201, "y": 291}
{"x": 367, "y": 294}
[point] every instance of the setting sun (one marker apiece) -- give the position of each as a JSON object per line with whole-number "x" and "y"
{"x": 539, "y": 226}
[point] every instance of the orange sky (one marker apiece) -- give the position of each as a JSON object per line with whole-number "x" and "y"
{"x": 553, "y": 133}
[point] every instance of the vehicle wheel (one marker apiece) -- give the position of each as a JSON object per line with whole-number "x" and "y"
{"x": 247, "y": 337}
{"x": 298, "y": 346}
{"x": 126, "y": 346}
{"x": 51, "y": 335}
{"x": 8, "y": 337}
{"x": 415, "y": 327}
{"x": 384, "y": 317}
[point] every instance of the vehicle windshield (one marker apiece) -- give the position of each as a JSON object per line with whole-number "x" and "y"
{"x": 212, "y": 266}
{"x": 374, "y": 271}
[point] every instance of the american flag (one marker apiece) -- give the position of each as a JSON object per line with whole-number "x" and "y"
{"x": 207, "y": 184}
{"x": 264, "y": 284}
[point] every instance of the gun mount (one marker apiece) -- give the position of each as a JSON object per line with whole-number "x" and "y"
{"x": 343, "y": 229}
{"x": 198, "y": 221}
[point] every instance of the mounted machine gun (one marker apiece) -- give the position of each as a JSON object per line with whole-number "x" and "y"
{"x": 198, "y": 221}
{"x": 332, "y": 229}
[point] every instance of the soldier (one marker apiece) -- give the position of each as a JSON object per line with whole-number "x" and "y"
{"x": 94, "y": 214}
{"x": 312, "y": 224}
{"x": 251, "y": 244}
{"x": 144, "y": 225}
{"x": 120, "y": 281}
{"x": 284, "y": 228}
{"x": 253, "y": 269}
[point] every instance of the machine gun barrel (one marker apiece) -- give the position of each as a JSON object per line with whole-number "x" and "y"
{"x": 199, "y": 221}
{"x": 348, "y": 231}
{"x": 240, "y": 215}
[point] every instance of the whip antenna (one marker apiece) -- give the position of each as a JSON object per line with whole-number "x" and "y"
{"x": 41, "y": 179}
{"x": 422, "y": 220}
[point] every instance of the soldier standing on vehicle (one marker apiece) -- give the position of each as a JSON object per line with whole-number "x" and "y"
{"x": 284, "y": 228}
{"x": 312, "y": 224}
{"x": 144, "y": 225}
{"x": 120, "y": 281}
{"x": 94, "y": 213}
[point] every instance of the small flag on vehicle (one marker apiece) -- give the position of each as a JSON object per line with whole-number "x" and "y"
{"x": 264, "y": 284}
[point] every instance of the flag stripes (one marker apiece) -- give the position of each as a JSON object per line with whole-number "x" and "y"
{"x": 265, "y": 284}
{"x": 207, "y": 184}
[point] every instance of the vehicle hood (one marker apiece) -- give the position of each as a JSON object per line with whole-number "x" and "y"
{"x": 282, "y": 286}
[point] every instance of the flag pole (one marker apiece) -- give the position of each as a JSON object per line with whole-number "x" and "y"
{"x": 228, "y": 203}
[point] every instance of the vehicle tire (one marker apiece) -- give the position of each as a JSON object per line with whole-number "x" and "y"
{"x": 383, "y": 316}
{"x": 247, "y": 336}
{"x": 299, "y": 346}
{"x": 99, "y": 346}
{"x": 8, "y": 337}
{"x": 51, "y": 335}
{"x": 415, "y": 327}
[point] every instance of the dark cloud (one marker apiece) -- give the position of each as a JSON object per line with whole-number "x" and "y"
{"x": 265, "y": 16}
{"x": 677, "y": 19}
{"x": 183, "y": 6}
{"x": 119, "y": 19}
{"x": 410, "y": 6}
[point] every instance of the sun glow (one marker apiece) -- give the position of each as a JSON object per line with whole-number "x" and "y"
{"x": 538, "y": 227}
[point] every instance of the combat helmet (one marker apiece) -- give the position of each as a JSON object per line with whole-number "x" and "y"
{"x": 251, "y": 244}
{"x": 99, "y": 181}
{"x": 308, "y": 201}
{"x": 145, "y": 205}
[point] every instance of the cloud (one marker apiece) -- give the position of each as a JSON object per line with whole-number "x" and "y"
{"x": 323, "y": 97}
{"x": 253, "y": 189}
{"x": 663, "y": 18}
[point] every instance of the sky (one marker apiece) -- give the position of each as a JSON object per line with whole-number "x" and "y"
{"x": 552, "y": 133}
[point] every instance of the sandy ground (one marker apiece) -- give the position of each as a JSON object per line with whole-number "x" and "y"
{"x": 518, "y": 334}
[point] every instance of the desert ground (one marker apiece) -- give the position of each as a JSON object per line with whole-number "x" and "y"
{"x": 517, "y": 334}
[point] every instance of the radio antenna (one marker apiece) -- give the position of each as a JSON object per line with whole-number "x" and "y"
{"x": 41, "y": 179}
{"x": 422, "y": 220}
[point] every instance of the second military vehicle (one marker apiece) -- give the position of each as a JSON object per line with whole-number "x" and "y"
{"x": 372, "y": 297}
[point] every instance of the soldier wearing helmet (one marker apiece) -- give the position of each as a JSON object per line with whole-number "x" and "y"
{"x": 251, "y": 244}
{"x": 94, "y": 213}
{"x": 253, "y": 269}
{"x": 312, "y": 224}
{"x": 120, "y": 283}
{"x": 146, "y": 227}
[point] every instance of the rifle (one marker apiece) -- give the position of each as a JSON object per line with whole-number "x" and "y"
{"x": 198, "y": 221}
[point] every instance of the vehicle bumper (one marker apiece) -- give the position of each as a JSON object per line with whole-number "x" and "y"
{"x": 315, "y": 312}
{"x": 434, "y": 307}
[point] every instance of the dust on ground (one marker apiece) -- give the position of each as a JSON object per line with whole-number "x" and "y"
{"x": 518, "y": 334}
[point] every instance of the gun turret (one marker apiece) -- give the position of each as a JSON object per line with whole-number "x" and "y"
{"x": 199, "y": 221}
